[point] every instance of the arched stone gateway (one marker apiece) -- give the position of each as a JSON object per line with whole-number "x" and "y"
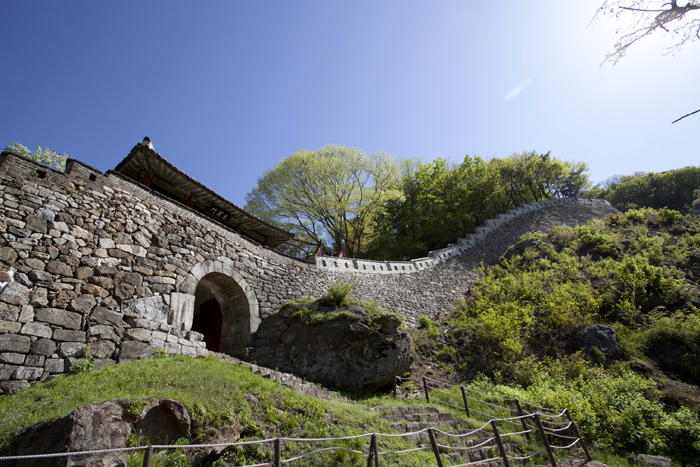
{"x": 216, "y": 301}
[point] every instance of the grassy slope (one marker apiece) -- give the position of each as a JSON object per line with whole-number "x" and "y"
{"x": 218, "y": 396}
{"x": 639, "y": 274}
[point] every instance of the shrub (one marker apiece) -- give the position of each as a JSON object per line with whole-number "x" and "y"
{"x": 337, "y": 295}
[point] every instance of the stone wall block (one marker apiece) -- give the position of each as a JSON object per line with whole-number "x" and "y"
{"x": 39, "y": 297}
{"x": 83, "y": 272}
{"x": 95, "y": 290}
{"x": 105, "y": 270}
{"x": 150, "y": 308}
{"x": 62, "y": 335}
{"x": 10, "y": 327}
{"x": 83, "y": 304}
{"x": 27, "y": 373}
{"x": 8, "y": 255}
{"x": 40, "y": 276}
{"x": 133, "y": 279}
{"x": 59, "y": 317}
{"x": 138, "y": 334}
{"x": 43, "y": 347}
{"x": 135, "y": 350}
{"x": 189, "y": 285}
{"x": 15, "y": 293}
{"x": 104, "y": 282}
{"x": 181, "y": 310}
{"x": 14, "y": 343}
{"x": 79, "y": 232}
{"x": 27, "y": 314}
{"x": 35, "y": 360}
{"x": 33, "y": 263}
{"x": 6, "y": 371}
{"x": 106, "y": 332}
{"x": 58, "y": 225}
{"x": 12, "y": 358}
{"x": 36, "y": 224}
{"x": 132, "y": 249}
{"x": 102, "y": 315}
{"x": 57, "y": 267}
{"x": 9, "y": 312}
{"x": 37, "y": 329}
{"x": 124, "y": 291}
{"x": 107, "y": 243}
{"x": 102, "y": 349}
{"x": 54, "y": 365}
{"x": 71, "y": 349}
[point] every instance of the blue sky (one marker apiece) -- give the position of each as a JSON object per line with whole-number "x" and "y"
{"x": 226, "y": 89}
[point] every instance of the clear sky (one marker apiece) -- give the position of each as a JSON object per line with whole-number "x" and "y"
{"x": 226, "y": 89}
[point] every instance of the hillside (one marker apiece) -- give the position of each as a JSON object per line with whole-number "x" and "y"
{"x": 516, "y": 331}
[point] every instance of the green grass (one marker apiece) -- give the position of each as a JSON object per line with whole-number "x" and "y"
{"x": 215, "y": 393}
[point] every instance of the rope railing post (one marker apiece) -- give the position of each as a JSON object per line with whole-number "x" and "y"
{"x": 433, "y": 442}
{"x": 499, "y": 442}
{"x": 147, "y": 455}
{"x": 425, "y": 387}
{"x": 373, "y": 452}
{"x": 464, "y": 398}
{"x": 522, "y": 420}
{"x": 278, "y": 453}
{"x": 577, "y": 433}
{"x": 544, "y": 439}
{"x": 395, "y": 384}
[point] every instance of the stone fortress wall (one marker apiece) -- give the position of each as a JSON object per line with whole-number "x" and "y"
{"x": 97, "y": 265}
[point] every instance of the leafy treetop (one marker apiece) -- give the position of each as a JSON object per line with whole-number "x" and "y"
{"x": 45, "y": 156}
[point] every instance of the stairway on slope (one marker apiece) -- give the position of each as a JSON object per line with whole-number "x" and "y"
{"x": 412, "y": 419}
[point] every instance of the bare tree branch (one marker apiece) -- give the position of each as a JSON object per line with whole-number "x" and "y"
{"x": 688, "y": 115}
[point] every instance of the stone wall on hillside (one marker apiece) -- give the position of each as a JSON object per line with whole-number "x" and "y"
{"x": 97, "y": 265}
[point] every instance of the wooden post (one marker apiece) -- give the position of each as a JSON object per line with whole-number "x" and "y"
{"x": 433, "y": 442}
{"x": 578, "y": 435}
{"x": 373, "y": 452}
{"x": 464, "y": 398}
{"x": 425, "y": 387}
{"x": 395, "y": 378}
{"x": 544, "y": 439}
{"x": 278, "y": 453}
{"x": 499, "y": 442}
{"x": 522, "y": 420}
{"x": 147, "y": 456}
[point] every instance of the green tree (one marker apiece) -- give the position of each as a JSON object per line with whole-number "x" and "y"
{"x": 673, "y": 189}
{"x": 441, "y": 202}
{"x": 329, "y": 194}
{"x": 45, "y": 156}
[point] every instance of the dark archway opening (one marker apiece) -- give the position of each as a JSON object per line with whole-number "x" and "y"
{"x": 208, "y": 322}
{"x": 221, "y": 313}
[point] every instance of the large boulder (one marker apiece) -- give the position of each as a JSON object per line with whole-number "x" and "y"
{"x": 104, "y": 425}
{"x": 598, "y": 341}
{"x": 88, "y": 428}
{"x": 364, "y": 352}
{"x": 163, "y": 421}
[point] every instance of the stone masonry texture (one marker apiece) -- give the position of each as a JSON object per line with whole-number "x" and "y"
{"x": 96, "y": 265}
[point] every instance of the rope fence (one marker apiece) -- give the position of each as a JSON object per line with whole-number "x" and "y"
{"x": 480, "y": 445}
{"x": 550, "y": 426}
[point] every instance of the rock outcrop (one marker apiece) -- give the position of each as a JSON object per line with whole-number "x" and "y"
{"x": 360, "y": 352}
{"x": 598, "y": 341}
{"x": 94, "y": 427}
{"x": 88, "y": 428}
